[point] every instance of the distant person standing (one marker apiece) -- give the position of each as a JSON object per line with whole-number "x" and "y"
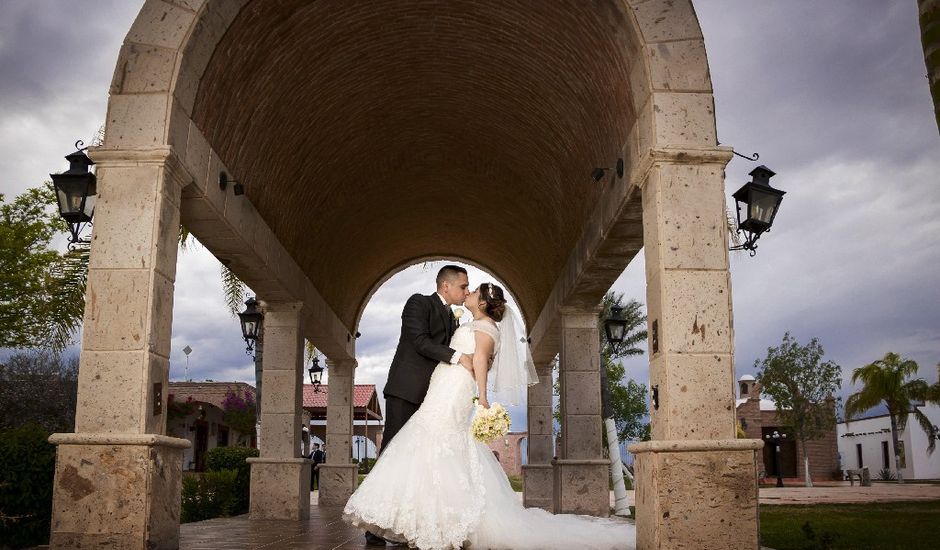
{"x": 318, "y": 457}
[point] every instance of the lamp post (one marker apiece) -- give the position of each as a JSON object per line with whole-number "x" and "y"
{"x": 776, "y": 437}
{"x": 252, "y": 322}
{"x": 76, "y": 191}
{"x": 615, "y": 327}
{"x": 756, "y": 206}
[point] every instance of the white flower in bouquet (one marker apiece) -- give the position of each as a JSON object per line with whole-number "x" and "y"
{"x": 488, "y": 424}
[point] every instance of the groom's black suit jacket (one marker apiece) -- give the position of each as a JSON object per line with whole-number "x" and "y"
{"x": 426, "y": 328}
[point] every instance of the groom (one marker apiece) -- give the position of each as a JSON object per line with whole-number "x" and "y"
{"x": 427, "y": 324}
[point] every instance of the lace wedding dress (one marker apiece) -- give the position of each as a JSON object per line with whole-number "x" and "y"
{"x": 436, "y": 487}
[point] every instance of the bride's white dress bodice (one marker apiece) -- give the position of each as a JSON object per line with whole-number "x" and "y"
{"x": 448, "y": 405}
{"x": 436, "y": 487}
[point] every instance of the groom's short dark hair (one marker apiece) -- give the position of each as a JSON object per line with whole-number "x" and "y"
{"x": 449, "y": 273}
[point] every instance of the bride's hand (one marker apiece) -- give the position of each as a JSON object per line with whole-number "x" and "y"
{"x": 484, "y": 403}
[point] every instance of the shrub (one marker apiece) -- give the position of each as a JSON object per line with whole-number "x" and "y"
{"x": 886, "y": 475}
{"x": 823, "y": 541}
{"x": 239, "y": 412}
{"x": 234, "y": 458}
{"x": 365, "y": 465}
{"x": 230, "y": 458}
{"x": 209, "y": 495}
{"x": 27, "y": 471}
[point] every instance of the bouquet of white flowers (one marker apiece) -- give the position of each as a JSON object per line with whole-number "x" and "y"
{"x": 488, "y": 424}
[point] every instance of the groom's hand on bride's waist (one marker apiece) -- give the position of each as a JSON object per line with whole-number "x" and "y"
{"x": 466, "y": 361}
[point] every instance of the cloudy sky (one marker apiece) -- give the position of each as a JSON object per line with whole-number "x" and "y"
{"x": 833, "y": 96}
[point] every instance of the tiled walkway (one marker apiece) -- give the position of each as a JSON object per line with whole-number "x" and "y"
{"x": 843, "y": 493}
{"x": 326, "y": 530}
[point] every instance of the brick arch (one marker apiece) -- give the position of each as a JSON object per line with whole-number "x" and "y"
{"x": 606, "y": 83}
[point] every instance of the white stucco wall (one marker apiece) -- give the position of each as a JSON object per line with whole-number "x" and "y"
{"x": 871, "y": 432}
{"x": 213, "y": 417}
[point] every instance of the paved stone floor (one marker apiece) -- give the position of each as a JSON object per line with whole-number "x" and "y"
{"x": 842, "y": 492}
{"x": 326, "y": 530}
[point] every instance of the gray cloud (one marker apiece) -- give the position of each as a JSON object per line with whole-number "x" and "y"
{"x": 834, "y": 97}
{"x": 56, "y": 62}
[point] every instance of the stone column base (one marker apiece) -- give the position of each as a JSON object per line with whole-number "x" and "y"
{"x": 116, "y": 491}
{"x": 538, "y": 486}
{"x": 280, "y": 488}
{"x": 697, "y": 494}
{"x": 337, "y": 483}
{"x": 581, "y": 487}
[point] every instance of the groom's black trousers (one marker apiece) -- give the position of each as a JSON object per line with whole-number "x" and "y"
{"x": 397, "y": 412}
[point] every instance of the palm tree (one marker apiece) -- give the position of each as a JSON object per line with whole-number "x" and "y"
{"x": 930, "y": 38}
{"x": 633, "y": 335}
{"x": 234, "y": 290}
{"x": 886, "y": 381}
{"x": 933, "y": 393}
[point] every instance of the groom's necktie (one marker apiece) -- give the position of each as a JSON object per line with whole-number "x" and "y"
{"x": 449, "y": 315}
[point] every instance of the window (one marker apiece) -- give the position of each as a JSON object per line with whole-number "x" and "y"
{"x": 222, "y": 437}
{"x": 885, "y": 456}
{"x": 858, "y": 454}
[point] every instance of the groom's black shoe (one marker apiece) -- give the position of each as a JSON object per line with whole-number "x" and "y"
{"x": 374, "y": 540}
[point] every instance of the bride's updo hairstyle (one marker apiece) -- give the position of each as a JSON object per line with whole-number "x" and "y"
{"x": 492, "y": 295}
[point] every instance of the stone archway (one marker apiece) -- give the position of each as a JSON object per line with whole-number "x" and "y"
{"x": 347, "y": 126}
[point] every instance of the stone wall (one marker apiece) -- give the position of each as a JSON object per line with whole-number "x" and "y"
{"x": 823, "y": 452}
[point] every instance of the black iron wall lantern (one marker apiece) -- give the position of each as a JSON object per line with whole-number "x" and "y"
{"x": 316, "y": 373}
{"x": 757, "y": 204}
{"x": 251, "y": 320}
{"x": 238, "y": 188}
{"x": 598, "y": 173}
{"x": 616, "y": 327}
{"x": 76, "y": 191}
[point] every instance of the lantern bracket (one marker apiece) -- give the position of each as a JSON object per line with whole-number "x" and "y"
{"x": 238, "y": 188}
{"x": 753, "y": 158}
{"x": 749, "y": 244}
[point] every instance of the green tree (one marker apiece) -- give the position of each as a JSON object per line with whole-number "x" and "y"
{"x": 38, "y": 387}
{"x": 42, "y": 290}
{"x": 930, "y": 38}
{"x": 802, "y": 385}
{"x": 627, "y": 398}
{"x": 933, "y": 392}
{"x": 886, "y": 381}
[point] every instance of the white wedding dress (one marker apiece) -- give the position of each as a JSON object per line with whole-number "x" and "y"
{"x": 436, "y": 487}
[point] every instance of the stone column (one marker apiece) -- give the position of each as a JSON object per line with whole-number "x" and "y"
{"x": 537, "y": 477}
{"x": 117, "y": 478}
{"x": 696, "y": 483}
{"x": 280, "y": 477}
{"x": 580, "y": 472}
{"x": 339, "y": 477}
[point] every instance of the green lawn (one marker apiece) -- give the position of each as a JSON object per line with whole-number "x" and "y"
{"x": 908, "y": 525}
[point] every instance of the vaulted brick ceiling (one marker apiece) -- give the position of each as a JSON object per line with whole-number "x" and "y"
{"x": 372, "y": 133}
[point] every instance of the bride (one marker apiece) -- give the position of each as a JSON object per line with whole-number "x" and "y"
{"x": 436, "y": 487}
